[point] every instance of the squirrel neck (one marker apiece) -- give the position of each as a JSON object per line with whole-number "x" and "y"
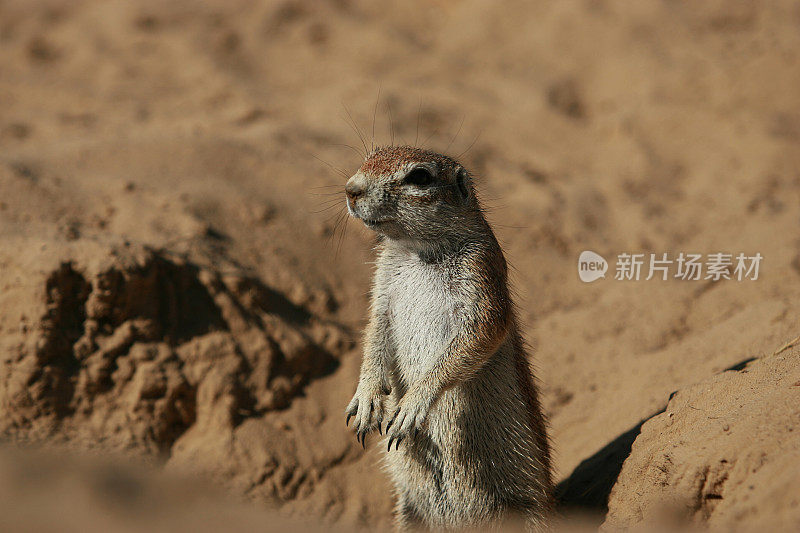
{"x": 470, "y": 230}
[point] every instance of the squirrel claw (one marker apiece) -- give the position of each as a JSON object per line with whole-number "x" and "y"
{"x": 367, "y": 409}
{"x": 391, "y": 421}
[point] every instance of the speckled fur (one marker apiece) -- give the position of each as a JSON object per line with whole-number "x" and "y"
{"x": 444, "y": 363}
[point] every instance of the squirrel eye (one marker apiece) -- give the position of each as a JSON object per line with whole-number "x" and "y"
{"x": 419, "y": 177}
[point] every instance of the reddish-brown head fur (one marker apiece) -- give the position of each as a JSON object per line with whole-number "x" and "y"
{"x": 390, "y": 159}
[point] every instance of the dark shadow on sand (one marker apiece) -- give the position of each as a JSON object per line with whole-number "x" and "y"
{"x": 586, "y": 490}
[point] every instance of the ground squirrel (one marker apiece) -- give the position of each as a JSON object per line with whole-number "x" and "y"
{"x": 444, "y": 363}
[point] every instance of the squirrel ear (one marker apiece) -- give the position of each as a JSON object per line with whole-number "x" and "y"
{"x": 463, "y": 183}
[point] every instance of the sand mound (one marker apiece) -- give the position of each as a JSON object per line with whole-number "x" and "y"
{"x": 724, "y": 453}
{"x": 143, "y": 347}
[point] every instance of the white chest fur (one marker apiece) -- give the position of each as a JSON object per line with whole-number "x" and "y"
{"x": 421, "y": 314}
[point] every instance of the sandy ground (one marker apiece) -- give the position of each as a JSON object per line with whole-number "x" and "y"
{"x": 177, "y": 283}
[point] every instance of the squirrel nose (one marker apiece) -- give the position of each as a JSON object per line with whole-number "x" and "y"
{"x": 354, "y": 188}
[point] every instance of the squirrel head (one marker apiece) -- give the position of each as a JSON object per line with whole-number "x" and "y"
{"x": 410, "y": 194}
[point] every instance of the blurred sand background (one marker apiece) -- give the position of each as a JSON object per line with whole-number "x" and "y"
{"x": 176, "y": 286}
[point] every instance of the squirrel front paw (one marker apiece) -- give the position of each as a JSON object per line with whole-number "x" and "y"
{"x": 367, "y": 406}
{"x": 411, "y": 413}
